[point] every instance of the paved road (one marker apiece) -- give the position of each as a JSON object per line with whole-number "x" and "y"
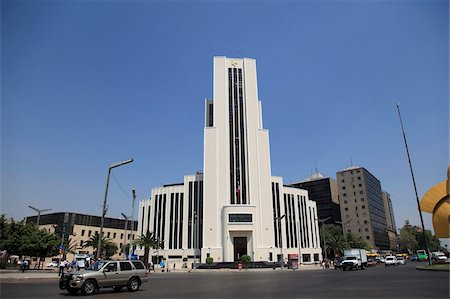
{"x": 379, "y": 282}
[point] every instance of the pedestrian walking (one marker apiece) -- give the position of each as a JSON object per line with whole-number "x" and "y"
{"x": 62, "y": 265}
{"x": 24, "y": 265}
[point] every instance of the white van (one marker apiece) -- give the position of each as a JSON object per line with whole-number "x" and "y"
{"x": 390, "y": 260}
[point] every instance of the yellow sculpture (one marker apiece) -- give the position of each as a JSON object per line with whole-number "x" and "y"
{"x": 437, "y": 202}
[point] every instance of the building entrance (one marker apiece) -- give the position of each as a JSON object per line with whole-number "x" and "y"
{"x": 240, "y": 247}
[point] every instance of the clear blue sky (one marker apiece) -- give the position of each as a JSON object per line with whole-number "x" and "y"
{"x": 89, "y": 83}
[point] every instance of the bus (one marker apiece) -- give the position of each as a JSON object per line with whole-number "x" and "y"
{"x": 422, "y": 255}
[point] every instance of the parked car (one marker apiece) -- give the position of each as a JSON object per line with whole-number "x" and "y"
{"x": 390, "y": 261}
{"x": 400, "y": 260}
{"x": 52, "y": 264}
{"x": 438, "y": 256}
{"x": 414, "y": 258}
{"x": 104, "y": 274}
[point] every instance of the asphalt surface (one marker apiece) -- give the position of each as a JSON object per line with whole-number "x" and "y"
{"x": 379, "y": 282}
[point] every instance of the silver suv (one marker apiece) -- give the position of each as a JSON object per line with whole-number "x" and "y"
{"x": 104, "y": 274}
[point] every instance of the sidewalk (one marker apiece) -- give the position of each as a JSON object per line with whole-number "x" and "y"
{"x": 8, "y": 276}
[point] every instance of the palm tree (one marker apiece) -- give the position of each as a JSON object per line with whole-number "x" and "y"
{"x": 108, "y": 246}
{"x": 147, "y": 241}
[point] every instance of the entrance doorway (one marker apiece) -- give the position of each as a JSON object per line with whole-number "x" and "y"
{"x": 240, "y": 247}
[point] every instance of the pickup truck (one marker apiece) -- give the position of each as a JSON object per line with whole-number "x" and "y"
{"x": 354, "y": 259}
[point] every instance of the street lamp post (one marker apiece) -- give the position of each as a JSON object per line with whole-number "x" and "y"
{"x": 104, "y": 210}
{"x": 124, "y": 247}
{"x": 281, "y": 239}
{"x": 39, "y": 213}
{"x": 131, "y": 250}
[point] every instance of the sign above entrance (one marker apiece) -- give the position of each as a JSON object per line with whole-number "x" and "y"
{"x": 240, "y": 218}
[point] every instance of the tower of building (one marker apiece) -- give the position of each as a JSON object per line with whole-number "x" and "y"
{"x": 235, "y": 207}
{"x": 362, "y": 207}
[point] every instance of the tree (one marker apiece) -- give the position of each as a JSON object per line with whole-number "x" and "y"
{"x": 407, "y": 240}
{"x": 147, "y": 240}
{"x": 355, "y": 241}
{"x": 334, "y": 240}
{"x": 411, "y": 238}
{"x": 109, "y": 248}
{"x": 246, "y": 258}
{"x": 26, "y": 239}
{"x": 209, "y": 261}
{"x": 433, "y": 243}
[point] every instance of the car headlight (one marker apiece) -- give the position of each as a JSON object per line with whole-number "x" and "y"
{"x": 77, "y": 277}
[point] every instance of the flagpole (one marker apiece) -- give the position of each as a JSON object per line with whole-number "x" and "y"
{"x": 415, "y": 188}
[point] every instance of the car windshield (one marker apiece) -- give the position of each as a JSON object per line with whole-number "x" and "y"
{"x": 96, "y": 266}
{"x": 389, "y": 258}
{"x": 349, "y": 258}
{"x": 400, "y": 258}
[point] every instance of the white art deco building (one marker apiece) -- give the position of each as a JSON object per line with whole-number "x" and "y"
{"x": 235, "y": 207}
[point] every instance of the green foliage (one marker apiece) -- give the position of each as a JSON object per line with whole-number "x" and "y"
{"x": 209, "y": 260}
{"x": 411, "y": 239}
{"x": 147, "y": 240}
{"x": 246, "y": 258}
{"x": 26, "y": 239}
{"x": 109, "y": 248}
{"x": 336, "y": 243}
{"x": 355, "y": 242}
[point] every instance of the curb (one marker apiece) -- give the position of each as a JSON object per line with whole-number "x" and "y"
{"x": 423, "y": 268}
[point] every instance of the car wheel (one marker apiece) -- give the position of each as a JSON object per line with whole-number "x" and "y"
{"x": 72, "y": 291}
{"x": 88, "y": 287}
{"x": 133, "y": 285}
{"x": 117, "y": 289}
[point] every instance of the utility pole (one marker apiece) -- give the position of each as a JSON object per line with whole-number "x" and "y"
{"x": 415, "y": 188}
{"x": 131, "y": 250}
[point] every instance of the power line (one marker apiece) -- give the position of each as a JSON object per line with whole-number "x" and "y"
{"x": 120, "y": 186}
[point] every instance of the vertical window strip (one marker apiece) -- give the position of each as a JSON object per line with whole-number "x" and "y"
{"x": 311, "y": 228}
{"x": 304, "y": 220}
{"x": 211, "y": 114}
{"x": 163, "y": 220}
{"x": 289, "y": 217}
{"x": 143, "y": 215}
{"x": 201, "y": 213}
{"x": 196, "y": 215}
{"x": 286, "y": 221}
{"x": 236, "y": 137}
{"x": 180, "y": 242}
{"x": 159, "y": 215}
{"x": 175, "y": 233}
{"x": 190, "y": 217}
{"x": 231, "y": 129}
{"x": 295, "y": 221}
{"x": 275, "y": 222}
{"x": 242, "y": 121}
{"x": 315, "y": 228}
{"x": 277, "y": 189}
{"x": 155, "y": 216}
{"x": 302, "y": 244}
{"x": 171, "y": 221}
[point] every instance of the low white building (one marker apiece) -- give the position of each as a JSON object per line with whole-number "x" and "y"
{"x": 235, "y": 207}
